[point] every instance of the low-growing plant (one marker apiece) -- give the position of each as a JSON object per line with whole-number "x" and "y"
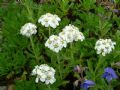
{"x": 60, "y": 44}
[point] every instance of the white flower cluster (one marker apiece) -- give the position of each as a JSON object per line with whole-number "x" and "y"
{"x": 71, "y": 33}
{"x": 44, "y": 74}
{"x": 28, "y": 29}
{"x": 49, "y": 20}
{"x": 104, "y": 46}
{"x": 55, "y": 43}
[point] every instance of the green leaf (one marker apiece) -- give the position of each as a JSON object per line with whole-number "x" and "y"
{"x": 24, "y": 85}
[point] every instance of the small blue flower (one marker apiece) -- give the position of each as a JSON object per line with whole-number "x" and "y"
{"x": 109, "y": 74}
{"x": 86, "y": 84}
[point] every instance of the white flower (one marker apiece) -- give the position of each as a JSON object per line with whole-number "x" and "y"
{"x": 55, "y": 43}
{"x": 44, "y": 74}
{"x": 104, "y": 46}
{"x": 71, "y": 33}
{"x": 49, "y": 20}
{"x": 28, "y": 29}
{"x": 50, "y": 80}
{"x": 79, "y": 36}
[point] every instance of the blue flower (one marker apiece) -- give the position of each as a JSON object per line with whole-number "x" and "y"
{"x": 86, "y": 84}
{"x": 109, "y": 74}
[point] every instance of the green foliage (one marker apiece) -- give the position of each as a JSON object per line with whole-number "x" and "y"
{"x": 25, "y": 85}
{"x": 20, "y": 54}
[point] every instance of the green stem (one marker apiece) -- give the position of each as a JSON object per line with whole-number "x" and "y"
{"x": 100, "y": 61}
{"x": 109, "y": 86}
{"x": 58, "y": 60}
{"x": 29, "y": 11}
{"x": 71, "y": 52}
{"x": 49, "y": 31}
{"x": 49, "y": 88}
{"x": 31, "y": 18}
{"x": 33, "y": 47}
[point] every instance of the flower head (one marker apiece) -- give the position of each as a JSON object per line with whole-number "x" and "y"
{"x": 71, "y": 33}
{"x": 49, "y": 20}
{"x": 104, "y": 46}
{"x": 28, "y": 29}
{"x": 55, "y": 43}
{"x": 77, "y": 68}
{"x": 109, "y": 74}
{"x": 86, "y": 84}
{"x": 44, "y": 74}
{"x": 116, "y": 10}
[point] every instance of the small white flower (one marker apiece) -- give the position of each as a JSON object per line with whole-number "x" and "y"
{"x": 71, "y": 33}
{"x": 49, "y": 20}
{"x": 37, "y": 80}
{"x": 50, "y": 80}
{"x": 79, "y": 36}
{"x": 55, "y": 43}
{"x": 44, "y": 74}
{"x": 28, "y": 29}
{"x": 104, "y": 46}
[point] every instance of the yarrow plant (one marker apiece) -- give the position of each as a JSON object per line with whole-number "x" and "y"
{"x": 71, "y": 33}
{"x": 49, "y": 20}
{"x": 67, "y": 52}
{"x": 44, "y": 74}
{"x": 55, "y": 43}
{"x": 109, "y": 74}
{"x": 104, "y": 46}
{"x": 28, "y": 29}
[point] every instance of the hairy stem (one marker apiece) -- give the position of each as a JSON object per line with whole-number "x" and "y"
{"x": 71, "y": 52}
{"x": 109, "y": 86}
{"x": 49, "y": 88}
{"x": 49, "y": 31}
{"x": 33, "y": 47}
{"x": 100, "y": 61}
{"x": 58, "y": 60}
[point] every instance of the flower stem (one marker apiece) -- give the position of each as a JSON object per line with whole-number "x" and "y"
{"x": 33, "y": 47}
{"x": 100, "y": 61}
{"x": 28, "y": 10}
{"x": 49, "y": 88}
{"x": 49, "y": 31}
{"x": 71, "y": 52}
{"x": 58, "y": 60}
{"x": 109, "y": 86}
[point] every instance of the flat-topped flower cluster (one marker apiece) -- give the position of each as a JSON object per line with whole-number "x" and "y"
{"x": 104, "y": 46}
{"x": 44, "y": 73}
{"x": 28, "y": 29}
{"x": 69, "y": 34}
{"x": 49, "y": 20}
{"x": 55, "y": 43}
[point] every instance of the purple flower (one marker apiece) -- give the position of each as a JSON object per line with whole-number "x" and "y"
{"x": 109, "y": 74}
{"x": 116, "y": 10}
{"x": 77, "y": 68}
{"x": 86, "y": 84}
